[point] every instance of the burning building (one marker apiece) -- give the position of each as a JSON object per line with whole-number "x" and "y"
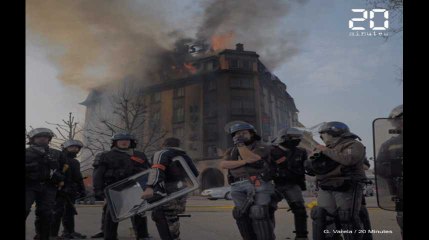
{"x": 194, "y": 100}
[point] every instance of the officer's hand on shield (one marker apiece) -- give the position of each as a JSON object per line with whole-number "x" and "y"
{"x": 148, "y": 193}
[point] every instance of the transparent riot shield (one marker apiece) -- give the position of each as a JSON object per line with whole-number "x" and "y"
{"x": 124, "y": 197}
{"x": 388, "y": 149}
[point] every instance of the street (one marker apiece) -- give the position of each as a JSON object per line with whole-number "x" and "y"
{"x": 212, "y": 220}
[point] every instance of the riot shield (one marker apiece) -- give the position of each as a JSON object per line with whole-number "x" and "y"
{"x": 388, "y": 155}
{"x": 124, "y": 197}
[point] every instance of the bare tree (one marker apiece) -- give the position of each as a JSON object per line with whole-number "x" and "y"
{"x": 125, "y": 112}
{"x": 67, "y": 130}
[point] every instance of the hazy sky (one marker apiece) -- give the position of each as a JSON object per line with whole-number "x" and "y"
{"x": 333, "y": 77}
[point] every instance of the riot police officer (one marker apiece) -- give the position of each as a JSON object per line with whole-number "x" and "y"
{"x": 72, "y": 189}
{"x": 120, "y": 162}
{"x": 338, "y": 167}
{"x": 248, "y": 164}
{"x": 289, "y": 175}
{"x": 388, "y": 164}
{"x": 100, "y": 197}
{"x": 42, "y": 178}
{"x": 164, "y": 178}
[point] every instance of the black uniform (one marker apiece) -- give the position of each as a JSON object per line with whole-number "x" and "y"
{"x": 114, "y": 166}
{"x": 289, "y": 180}
{"x": 42, "y": 176}
{"x": 73, "y": 188}
{"x": 167, "y": 173}
{"x": 95, "y": 164}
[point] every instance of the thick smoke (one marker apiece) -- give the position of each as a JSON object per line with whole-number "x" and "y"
{"x": 98, "y": 41}
{"x": 255, "y": 23}
{"x": 101, "y": 41}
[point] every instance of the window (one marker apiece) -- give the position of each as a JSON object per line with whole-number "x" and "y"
{"x": 155, "y": 118}
{"x": 211, "y": 132}
{"x": 212, "y": 85}
{"x": 241, "y": 83}
{"x": 156, "y": 97}
{"x": 242, "y": 106}
{"x": 178, "y": 111}
{"x": 234, "y": 83}
{"x": 179, "y": 92}
{"x": 233, "y": 63}
{"x": 210, "y": 105}
{"x": 193, "y": 109}
{"x": 178, "y": 132}
{"x": 215, "y": 65}
{"x": 208, "y": 66}
{"x": 246, "y": 83}
{"x": 179, "y": 115}
{"x": 247, "y": 65}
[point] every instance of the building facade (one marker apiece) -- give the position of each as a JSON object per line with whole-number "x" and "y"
{"x": 196, "y": 105}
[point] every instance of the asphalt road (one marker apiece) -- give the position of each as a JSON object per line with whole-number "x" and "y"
{"x": 212, "y": 220}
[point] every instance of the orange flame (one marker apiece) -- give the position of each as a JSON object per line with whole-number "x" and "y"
{"x": 221, "y": 41}
{"x": 190, "y": 68}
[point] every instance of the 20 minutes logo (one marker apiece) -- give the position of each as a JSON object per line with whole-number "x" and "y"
{"x": 376, "y": 26}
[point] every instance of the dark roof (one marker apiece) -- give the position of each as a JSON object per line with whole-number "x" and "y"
{"x": 231, "y": 51}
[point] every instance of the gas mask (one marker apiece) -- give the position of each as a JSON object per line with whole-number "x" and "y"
{"x": 71, "y": 154}
{"x": 291, "y": 143}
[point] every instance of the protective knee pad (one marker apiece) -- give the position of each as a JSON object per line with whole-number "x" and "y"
{"x": 259, "y": 212}
{"x": 174, "y": 226}
{"x": 318, "y": 213}
{"x": 364, "y": 218}
{"x": 244, "y": 224}
{"x": 345, "y": 216}
{"x": 158, "y": 215}
{"x": 261, "y": 222}
{"x": 238, "y": 214}
{"x": 351, "y": 223}
{"x": 319, "y": 216}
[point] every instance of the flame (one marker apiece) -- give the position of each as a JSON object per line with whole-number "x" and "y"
{"x": 221, "y": 41}
{"x": 190, "y": 68}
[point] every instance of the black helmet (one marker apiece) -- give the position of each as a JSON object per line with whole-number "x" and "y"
{"x": 397, "y": 112}
{"x": 241, "y": 126}
{"x": 288, "y": 134}
{"x": 72, "y": 142}
{"x": 39, "y": 132}
{"x": 124, "y": 136}
{"x": 334, "y": 129}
